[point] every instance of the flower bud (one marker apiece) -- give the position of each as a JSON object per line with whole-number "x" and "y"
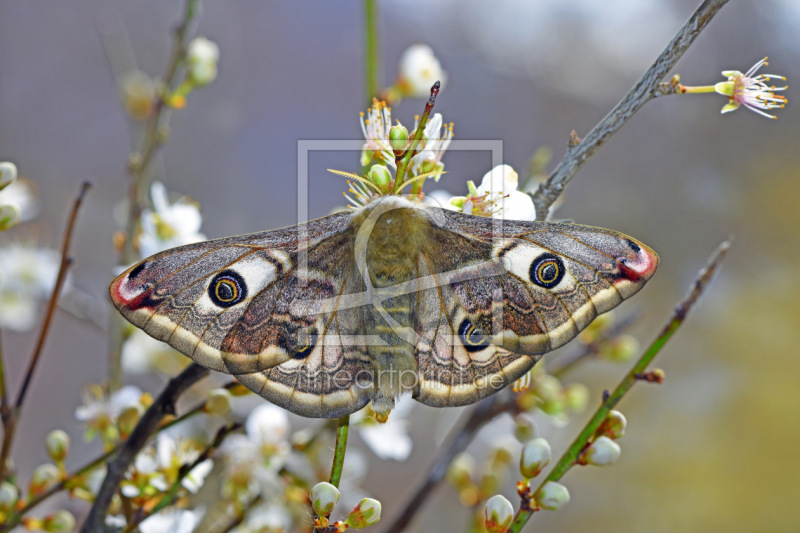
{"x": 138, "y": 94}
{"x": 8, "y": 496}
{"x": 398, "y": 138}
{"x": 129, "y": 417}
{"x": 380, "y": 176}
{"x": 8, "y": 173}
{"x": 366, "y": 513}
{"x": 552, "y": 496}
{"x": 9, "y": 216}
{"x": 57, "y": 444}
{"x": 44, "y": 476}
{"x": 460, "y": 472}
{"x": 218, "y": 402}
{"x": 202, "y": 56}
{"x": 576, "y": 396}
{"x": 499, "y": 514}
{"x": 620, "y": 350}
{"x": 535, "y": 456}
{"x": 59, "y": 522}
{"x": 613, "y": 426}
{"x": 324, "y": 497}
{"x": 603, "y": 451}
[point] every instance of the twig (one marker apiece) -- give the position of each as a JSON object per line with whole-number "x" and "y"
{"x": 138, "y": 169}
{"x": 169, "y": 496}
{"x": 482, "y": 413}
{"x": 402, "y": 163}
{"x": 342, "y": 430}
{"x": 11, "y": 416}
{"x": 570, "y": 457}
{"x": 371, "y": 51}
{"x": 163, "y": 405}
{"x": 647, "y": 88}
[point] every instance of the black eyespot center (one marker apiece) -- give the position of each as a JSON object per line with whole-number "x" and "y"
{"x": 471, "y": 336}
{"x": 547, "y": 270}
{"x": 227, "y": 288}
{"x": 137, "y": 270}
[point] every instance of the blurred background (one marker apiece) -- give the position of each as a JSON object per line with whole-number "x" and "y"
{"x": 714, "y": 448}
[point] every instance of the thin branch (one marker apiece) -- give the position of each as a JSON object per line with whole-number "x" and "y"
{"x": 570, "y": 457}
{"x": 11, "y": 415}
{"x": 483, "y": 412}
{"x": 149, "y": 423}
{"x": 647, "y": 88}
{"x": 402, "y": 163}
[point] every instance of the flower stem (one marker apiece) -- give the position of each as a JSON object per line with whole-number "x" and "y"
{"x": 570, "y": 457}
{"x": 342, "y": 431}
{"x": 371, "y": 51}
{"x": 700, "y": 89}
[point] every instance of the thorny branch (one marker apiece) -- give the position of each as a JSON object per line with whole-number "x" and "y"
{"x": 647, "y": 88}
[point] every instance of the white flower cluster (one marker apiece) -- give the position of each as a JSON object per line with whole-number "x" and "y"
{"x": 27, "y": 276}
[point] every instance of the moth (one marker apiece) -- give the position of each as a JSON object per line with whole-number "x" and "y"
{"x": 394, "y": 297}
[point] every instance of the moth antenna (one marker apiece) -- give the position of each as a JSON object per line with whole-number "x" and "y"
{"x": 420, "y": 177}
{"x": 357, "y": 177}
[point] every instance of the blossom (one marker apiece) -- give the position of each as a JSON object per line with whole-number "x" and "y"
{"x": 27, "y": 275}
{"x": 500, "y": 186}
{"x": 389, "y": 440}
{"x": 376, "y": 128}
{"x": 419, "y": 70}
{"x": 202, "y": 56}
{"x": 173, "y": 520}
{"x": 168, "y": 225}
{"x": 22, "y": 194}
{"x": 437, "y": 138}
{"x": 100, "y": 411}
{"x": 751, "y": 91}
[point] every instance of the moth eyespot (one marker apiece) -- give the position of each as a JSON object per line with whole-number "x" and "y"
{"x": 471, "y": 337}
{"x": 633, "y": 246}
{"x": 137, "y": 270}
{"x": 547, "y": 270}
{"x": 305, "y": 344}
{"x": 227, "y": 288}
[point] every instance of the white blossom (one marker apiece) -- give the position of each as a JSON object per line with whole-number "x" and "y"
{"x": 96, "y": 404}
{"x": 389, "y": 440}
{"x": 173, "y": 520}
{"x": 168, "y": 225}
{"x": 27, "y": 275}
{"x": 500, "y": 184}
{"x": 419, "y": 70}
{"x": 438, "y": 137}
{"x": 202, "y": 56}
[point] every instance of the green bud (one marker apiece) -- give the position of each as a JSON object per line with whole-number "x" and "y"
{"x": 9, "y": 216}
{"x": 218, "y": 402}
{"x": 380, "y": 176}
{"x": 324, "y": 497}
{"x": 613, "y": 426}
{"x": 620, "y": 350}
{"x": 458, "y": 201}
{"x": 60, "y": 522}
{"x": 460, "y": 472}
{"x": 8, "y": 173}
{"x": 535, "y": 456}
{"x": 398, "y": 138}
{"x": 576, "y": 396}
{"x": 366, "y": 513}
{"x": 8, "y": 496}
{"x": 57, "y": 444}
{"x": 602, "y": 452}
{"x": 44, "y": 476}
{"x": 499, "y": 513}
{"x": 552, "y": 496}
